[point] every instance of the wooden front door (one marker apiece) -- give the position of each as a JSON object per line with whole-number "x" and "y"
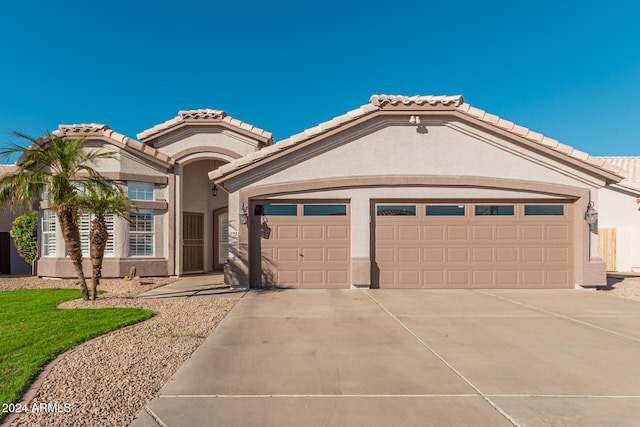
{"x": 192, "y": 242}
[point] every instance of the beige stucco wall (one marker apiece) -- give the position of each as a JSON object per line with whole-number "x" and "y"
{"x": 618, "y": 209}
{"x": 219, "y": 139}
{"x": 474, "y": 162}
{"x": 389, "y": 147}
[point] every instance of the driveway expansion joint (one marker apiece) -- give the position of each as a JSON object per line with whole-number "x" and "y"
{"x": 563, "y": 316}
{"x": 454, "y": 370}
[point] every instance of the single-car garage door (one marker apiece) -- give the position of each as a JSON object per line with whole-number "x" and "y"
{"x": 302, "y": 245}
{"x": 473, "y": 245}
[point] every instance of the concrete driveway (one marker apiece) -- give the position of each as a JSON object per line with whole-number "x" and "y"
{"x": 412, "y": 358}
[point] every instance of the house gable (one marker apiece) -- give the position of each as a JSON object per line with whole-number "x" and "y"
{"x": 431, "y": 112}
{"x": 206, "y": 130}
{"x": 102, "y": 135}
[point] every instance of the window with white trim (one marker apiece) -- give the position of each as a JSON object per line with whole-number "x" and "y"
{"x": 84, "y": 224}
{"x": 140, "y": 190}
{"x": 141, "y": 233}
{"x": 48, "y": 233}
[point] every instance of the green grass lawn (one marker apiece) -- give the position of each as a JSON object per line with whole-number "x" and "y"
{"x": 33, "y": 332}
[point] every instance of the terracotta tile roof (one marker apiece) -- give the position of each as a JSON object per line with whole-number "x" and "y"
{"x": 416, "y": 103}
{"x": 630, "y": 169}
{"x": 7, "y": 169}
{"x": 443, "y": 100}
{"x": 86, "y": 130}
{"x": 204, "y": 116}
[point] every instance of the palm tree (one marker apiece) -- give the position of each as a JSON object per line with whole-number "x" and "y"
{"x": 53, "y": 165}
{"x": 101, "y": 199}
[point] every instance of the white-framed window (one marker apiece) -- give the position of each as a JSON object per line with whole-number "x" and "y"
{"x": 140, "y": 190}
{"x": 141, "y": 233}
{"x": 48, "y": 233}
{"x": 84, "y": 224}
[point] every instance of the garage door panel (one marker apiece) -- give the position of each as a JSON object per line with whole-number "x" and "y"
{"x": 409, "y": 277}
{"x": 433, "y": 278}
{"x": 337, "y": 254}
{"x": 532, "y": 278}
{"x": 388, "y": 278}
{"x": 558, "y": 278}
{"x": 433, "y": 255}
{"x": 312, "y": 277}
{"x": 312, "y": 232}
{"x": 386, "y": 255}
{"x": 507, "y": 278}
{"x": 338, "y": 232}
{"x": 482, "y": 232}
{"x": 433, "y": 232}
{"x": 458, "y": 278}
{"x": 532, "y": 233}
{"x": 457, "y": 255}
{"x": 557, "y": 232}
{"x": 287, "y": 277}
{"x": 506, "y": 232}
{"x": 286, "y": 254}
{"x": 411, "y": 255}
{"x": 312, "y": 255}
{"x": 535, "y": 255}
{"x": 482, "y": 254}
{"x": 385, "y": 232}
{"x": 287, "y": 232}
{"x": 506, "y": 255}
{"x": 408, "y": 232}
{"x": 557, "y": 255}
{"x": 482, "y": 278}
{"x": 337, "y": 278}
{"x": 458, "y": 232}
{"x": 308, "y": 247}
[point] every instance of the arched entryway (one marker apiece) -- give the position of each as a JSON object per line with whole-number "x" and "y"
{"x": 202, "y": 217}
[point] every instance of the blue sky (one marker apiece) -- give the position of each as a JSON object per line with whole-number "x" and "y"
{"x": 567, "y": 69}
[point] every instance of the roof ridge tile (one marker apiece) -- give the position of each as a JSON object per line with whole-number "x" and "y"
{"x": 206, "y": 115}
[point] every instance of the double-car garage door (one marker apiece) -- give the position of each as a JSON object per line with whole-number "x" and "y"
{"x": 473, "y": 245}
{"x": 418, "y": 244}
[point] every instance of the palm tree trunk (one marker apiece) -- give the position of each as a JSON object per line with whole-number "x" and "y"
{"x": 71, "y": 234}
{"x": 98, "y": 238}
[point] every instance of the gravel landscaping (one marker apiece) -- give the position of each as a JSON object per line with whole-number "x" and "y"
{"x": 623, "y": 286}
{"x": 108, "y": 380}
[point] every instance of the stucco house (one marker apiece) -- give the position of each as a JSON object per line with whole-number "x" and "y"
{"x": 422, "y": 191}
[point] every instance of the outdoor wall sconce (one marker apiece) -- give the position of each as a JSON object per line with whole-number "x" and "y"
{"x": 214, "y": 190}
{"x": 414, "y": 120}
{"x": 591, "y": 215}
{"x": 243, "y": 215}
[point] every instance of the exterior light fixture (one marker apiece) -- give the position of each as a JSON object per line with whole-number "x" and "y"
{"x": 591, "y": 215}
{"x": 414, "y": 120}
{"x": 214, "y": 190}
{"x": 243, "y": 215}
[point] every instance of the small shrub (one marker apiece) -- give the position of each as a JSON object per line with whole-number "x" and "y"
{"x": 24, "y": 231}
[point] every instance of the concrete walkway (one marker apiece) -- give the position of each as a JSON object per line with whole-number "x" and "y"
{"x": 412, "y": 358}
{"x": 197, "y": 285}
